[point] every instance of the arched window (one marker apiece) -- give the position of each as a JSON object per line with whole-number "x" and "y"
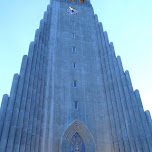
{"x": 77, "y": 144}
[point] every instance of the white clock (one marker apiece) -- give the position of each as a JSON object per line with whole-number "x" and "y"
{"x": 72, "y": 11}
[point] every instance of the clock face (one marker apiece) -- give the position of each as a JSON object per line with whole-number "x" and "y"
{"x": 72, "y": 11}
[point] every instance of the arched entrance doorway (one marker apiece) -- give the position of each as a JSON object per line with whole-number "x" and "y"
{"x": 77, "y": 138}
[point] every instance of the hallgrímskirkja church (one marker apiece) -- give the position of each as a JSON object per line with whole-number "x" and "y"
{"x": 72, "y": 94}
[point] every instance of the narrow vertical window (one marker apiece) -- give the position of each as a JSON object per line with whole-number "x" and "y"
{"x": 76, "y": 104}
{"x": 75, "y": 83}
{"x": 74, "y": 49}
{"x": 74, "y": 65}
{"x": 73, "y": 23}
{"x": 73, "y": 35}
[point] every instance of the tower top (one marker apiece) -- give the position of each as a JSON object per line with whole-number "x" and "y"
{"x": 76, "y": 1}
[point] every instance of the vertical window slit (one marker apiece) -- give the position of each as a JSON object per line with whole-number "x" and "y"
{"x": 73, "y": 35}
{"x": 76, "y": 104}
{"x": 74, "y": 49}
{"x": 75, "y": 83}
{"x": 74, "y": 65}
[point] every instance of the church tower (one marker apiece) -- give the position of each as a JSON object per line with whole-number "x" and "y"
{"x": 72, "y": 94}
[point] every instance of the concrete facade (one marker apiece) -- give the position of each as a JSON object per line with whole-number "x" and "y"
{"x": 72, "y": 83}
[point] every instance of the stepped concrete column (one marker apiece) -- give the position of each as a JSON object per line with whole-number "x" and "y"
{"x": 107, "y": 91}
{"x": 25, "y": 138}
{"x": 144, "y": 120}
{"x": 148, "y": 116}
{"x": 119, "y": 72}
{"x": 8, "y": 116}
{"x": 112, "y": 93}
{"x": 20, "y": 128}
{"x": 3, "y": 111}
{"x": 47, "y": 19}
{"x": 49, "y": 94}
{"x": 36, "y": 123}
{"x": 49, "y": 106}
{"x": 114, "y": 129}
{"x": 24, "y": 121}
{"x": 149, "y": 134}
{"x": 117, "y": 98}
{"x": 35, "y": 110}
{"x": 35, "y": 70}
{"x": 39, "y": 112}
{"x": 39, "y": 83}
{"x": 131, "y": 112}
{"x": 111, "y": 134}
{"x": 137, "y": 114}
{"x": 16, "y": 109}
{"x": 43, "y": 50}
{"x": 109, "y": 118}
{"x": 37, "y": 146}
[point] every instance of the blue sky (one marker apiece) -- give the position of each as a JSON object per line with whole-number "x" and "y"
{"x": 128, "y": 23}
